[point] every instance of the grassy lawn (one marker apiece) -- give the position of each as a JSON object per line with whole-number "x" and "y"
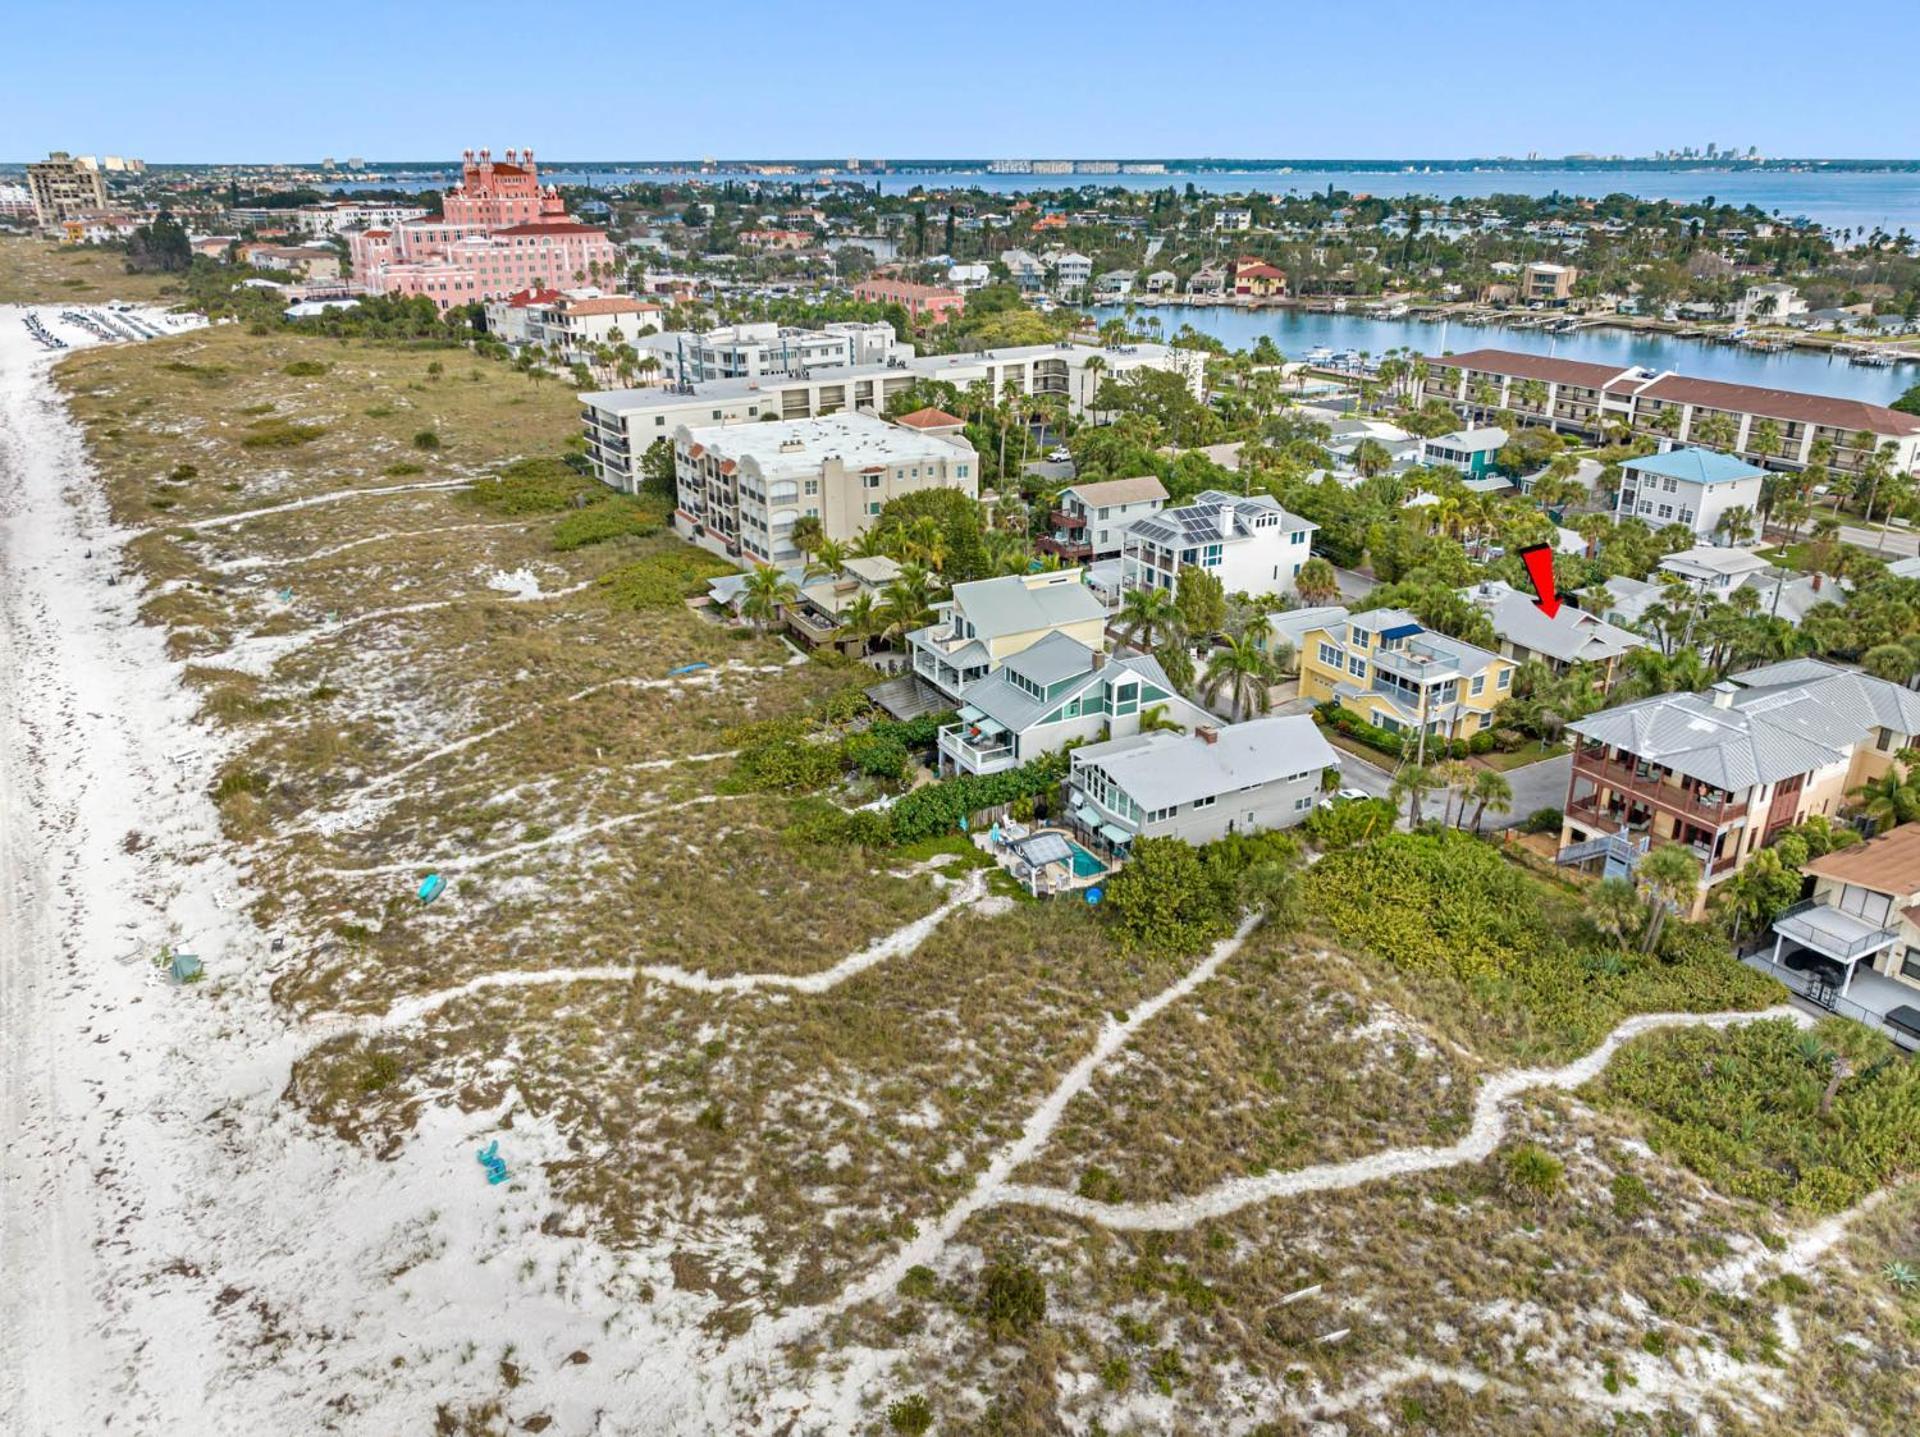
{"x": 38, "y": 271}
{"x": 1532, "y": 752}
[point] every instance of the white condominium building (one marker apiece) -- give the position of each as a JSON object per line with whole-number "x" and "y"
{"x": 620, "y": 424}
{"x": 741, "y": 488}
{"x": 751, "y": 351}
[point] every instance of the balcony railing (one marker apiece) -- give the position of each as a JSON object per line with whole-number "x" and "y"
{"x": 1066, "y": 519}
{"x": 1625, "y": 779}
{"x": 1603, "y": 821}
{"x": 977, "y": 753}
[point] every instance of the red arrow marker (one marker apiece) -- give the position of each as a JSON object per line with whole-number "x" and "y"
{"x": 1539, "y": 561}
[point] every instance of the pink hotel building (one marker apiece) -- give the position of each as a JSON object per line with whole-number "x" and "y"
{"x": 499, "y": 232}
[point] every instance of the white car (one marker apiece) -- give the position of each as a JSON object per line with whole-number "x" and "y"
{"x": 1060, "y": 456}
{"x": 1345, "y": 795}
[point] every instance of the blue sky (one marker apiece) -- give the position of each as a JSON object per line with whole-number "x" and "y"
{"x": 222, "y": 81}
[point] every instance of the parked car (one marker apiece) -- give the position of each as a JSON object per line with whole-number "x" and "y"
{"x": 1060, "y": 455}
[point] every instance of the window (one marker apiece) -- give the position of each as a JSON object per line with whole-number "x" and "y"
{"x": 1357, "y": 666}
{"x": 1206, "y": 802}
{"x": 1360, "y": 637}
{"x": 959, "y": 471}
{"x": 1910, "y": 964}
{"x": 872, "y": 481}
{"x": 813, "y": 487}
{"x": 1666, "y": 511}
{"x": 1686, "y": 516}
{"x": 1478, "y": 686}
{"x": 1304, "y": 802}
{"x": 1330, "y": 656}
{"x": 1506, "y": 678}
{"x": 873, "y": 506}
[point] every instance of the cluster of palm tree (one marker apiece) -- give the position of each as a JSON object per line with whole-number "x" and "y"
{"x": 1664, "y": 881}
{"x": 1462, "y": 783}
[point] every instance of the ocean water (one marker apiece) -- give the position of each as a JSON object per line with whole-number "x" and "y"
{"x": 1840, "y": 200}
{"x": 1297, "y": 332}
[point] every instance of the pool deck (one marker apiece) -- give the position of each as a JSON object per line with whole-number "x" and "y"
{"x": 1047, "y": 880}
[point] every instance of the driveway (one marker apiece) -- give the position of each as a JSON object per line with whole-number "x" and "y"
{"x": 1536, "y": 786}
{"x": 1354, "y": 586}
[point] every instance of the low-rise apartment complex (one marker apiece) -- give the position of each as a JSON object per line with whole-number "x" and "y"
{"x": 926, "y": 303}
{"x": 1249, "y": 543}
{"x": 1389, "y": 669}
{"x": 1088, "y": 521}
{"x": 1588, "y": 398}
{"x": 740, "y": 489}
{"x": 1725, "y": 772}
{"x": 620, "y": 424}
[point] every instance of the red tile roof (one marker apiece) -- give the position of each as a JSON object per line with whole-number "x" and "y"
{"x": 930, "y": 418}
{"x": 1847, "y": 414}
{"x": 1529, "y": 366}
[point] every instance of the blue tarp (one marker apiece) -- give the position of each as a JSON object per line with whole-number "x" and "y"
{"x": 1401, "y": 631}
{"x": 430, "y": 889}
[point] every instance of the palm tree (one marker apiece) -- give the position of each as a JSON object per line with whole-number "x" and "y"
{"x": 1317, "y": 583}
{"x": 1243, "y": 671}
{"x": 1890, "y": 800}
{"x": 1490, "y": 791}
{"x": 829, "y": 557}
{"x": 860, "y": 619}
{"x": 1736, "y": 524}
{"x": 906, "y": 603}
{"x": 1453, "y": 774}
{"x": 1148, "y": 618}
{"x": 1669, "y": 874}
{"x": 1411, "y": 782}
{"x": 766, "y": 592}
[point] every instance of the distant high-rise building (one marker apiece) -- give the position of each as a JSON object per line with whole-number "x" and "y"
{"x": 65, "y": 188}
{"x": 498, "y": 232}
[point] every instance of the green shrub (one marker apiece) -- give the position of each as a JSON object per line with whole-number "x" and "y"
{"x": 939, "y": 807}
{"x": 1013, "y": 1297}
{"x": 401, "y": 468}
{"x": 1168, "y": 900}
{"x": 785, "y": 765}
{"x": 1348, "y": 823}
{"x": 280, "y": 434}
{"x": 1544, "y": 820}
{"x": 601, "y": 522}
{"x": 918, "y": 1282}
{"x": 1529, "y": 1173}
{"x": 662, "y": 580}
{"x": 911, "y": 1415}
{"x": 180, "y": 473}
{"x": 304, "y": 369}
{"x": 1451, "y": 907}
{"x": 1630, "y": 1196}
{"x": 878, "y": 755}
{"x": 426, "y": 440}
{"x": 817, "y": 823}
{"x": 237, "y": 781}
{"x": 1740, "y": 1106}
{"x": 531, "y": 486}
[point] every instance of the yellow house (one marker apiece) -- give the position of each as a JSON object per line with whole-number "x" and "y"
{"x": 1389, "y": 669}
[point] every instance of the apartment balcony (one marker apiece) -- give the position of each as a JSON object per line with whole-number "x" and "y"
{"x": 1066, "y": 519}
{"x": 812, "y": 626}
{"x": 1609, "y": 822}
{"x": 1419, "y": 664}
{"x": 1629, "y": 781}
{"x": 979, "y": 747}
{"x": 1068, "y": 546}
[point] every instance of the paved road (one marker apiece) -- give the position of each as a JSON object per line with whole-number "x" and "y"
{"x": 1894, "y": 543}
{"x": 1535, "y": 786}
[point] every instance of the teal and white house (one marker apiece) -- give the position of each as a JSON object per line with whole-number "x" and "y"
{"x": 1055, "y": 692}
{"x": 1471, "y": 451}
{"x": 1690, "y": 487}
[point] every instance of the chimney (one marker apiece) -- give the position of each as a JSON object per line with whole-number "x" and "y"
{"x": 1723, "y": 693}
{"x": 1206, "y": 733}
{"x": 1817, "y": 577}
{"x": 1226, "y": 521}
{"x": 1099, "y": 660}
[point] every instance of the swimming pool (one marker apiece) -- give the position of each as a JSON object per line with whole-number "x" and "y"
{"x": 1085, "y": 865}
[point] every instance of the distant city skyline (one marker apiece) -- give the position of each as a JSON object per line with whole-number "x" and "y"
{"x": 242, "y": 85}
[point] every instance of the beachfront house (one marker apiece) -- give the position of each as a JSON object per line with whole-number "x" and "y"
{"x": 1197, "y": 786}
{"x": 1053, "y": 693}
{"x": 1854, "y": 944}
{"x": 1727, "y": 771}
{"x": 988, "y": 621}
